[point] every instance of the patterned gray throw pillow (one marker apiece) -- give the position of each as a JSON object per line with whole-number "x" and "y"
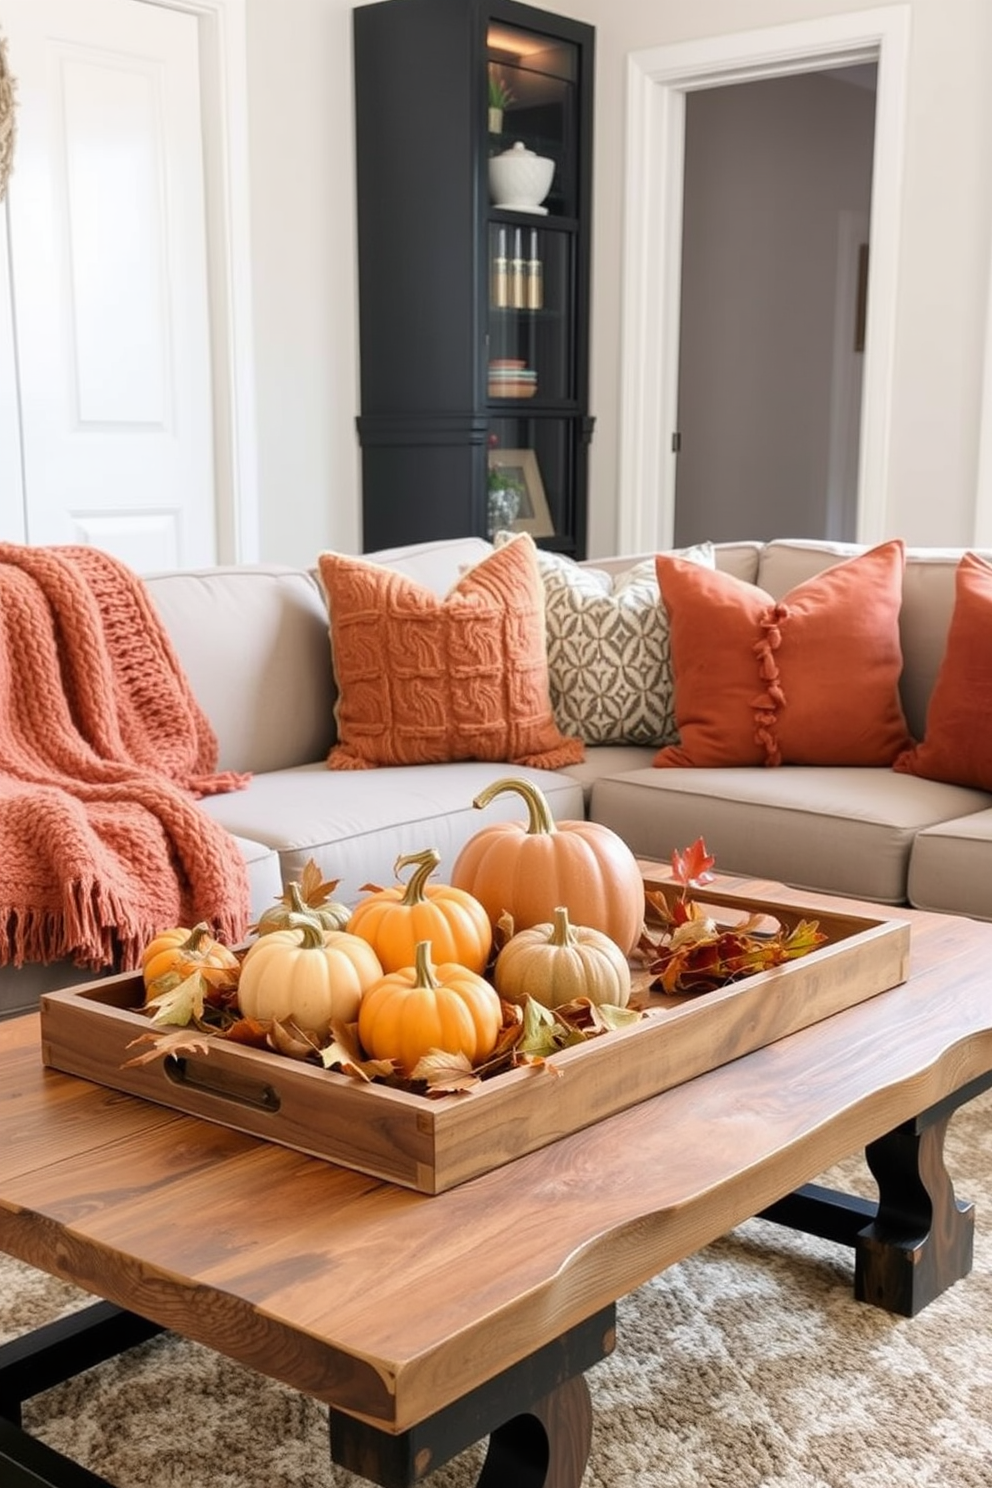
{"x": 609, "y": 661}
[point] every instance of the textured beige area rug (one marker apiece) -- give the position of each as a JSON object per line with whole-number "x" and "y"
{"x": 748, "y": 1365}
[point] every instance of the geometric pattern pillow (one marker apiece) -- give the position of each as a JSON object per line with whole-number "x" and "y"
{"x": 609, "y": 658}
{"x": 424, "y": 679}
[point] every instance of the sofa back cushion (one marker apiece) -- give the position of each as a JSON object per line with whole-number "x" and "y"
{"x": 737, "y": 558}
{"x": 927, "y": 603}
{"x": 253, "y": 643}
{"x": 958, "y": 743}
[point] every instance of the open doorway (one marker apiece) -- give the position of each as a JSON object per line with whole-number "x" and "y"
{"x": 659, "y": 82}
{"x": 776, "y": 210}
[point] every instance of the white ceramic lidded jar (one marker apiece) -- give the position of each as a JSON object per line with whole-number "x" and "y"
{"x": 519, "y": 180}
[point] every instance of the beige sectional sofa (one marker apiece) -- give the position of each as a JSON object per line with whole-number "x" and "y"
{"x": 254, "y": 643}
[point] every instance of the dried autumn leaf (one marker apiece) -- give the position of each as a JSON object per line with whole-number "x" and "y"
{"x": 164, "y": 1044}
{"x": 180, "y": 1005}
{"x": 726, "y": 956}
{"x": 286, "y": 1037}
{"x": 314, "y": 890}
{"x": 503, "y": 930}
{"x": 445, "y": 1074}
{"x": 345, "y": 1053}
{"x": 248, "y": 1031}
{"x": 691, "y": 867}
{"x": 593, "y": 1018}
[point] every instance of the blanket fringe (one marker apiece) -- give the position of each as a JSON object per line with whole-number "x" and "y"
{"x": 94, "y": 929}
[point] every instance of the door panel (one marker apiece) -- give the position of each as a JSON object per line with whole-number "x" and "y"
{"x": 108, "y": 255}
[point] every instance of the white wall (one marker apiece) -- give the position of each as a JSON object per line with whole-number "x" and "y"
{"x": 302, "y": 183}
{"x": 301, "y": 147}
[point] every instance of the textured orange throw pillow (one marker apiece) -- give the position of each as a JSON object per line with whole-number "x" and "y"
{"x": 422, "y": 680}
{"x": 957, "y": 746}
{"x": 810, "y": 679}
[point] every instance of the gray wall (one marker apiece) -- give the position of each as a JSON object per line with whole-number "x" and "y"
{"x": 770, "y": 167}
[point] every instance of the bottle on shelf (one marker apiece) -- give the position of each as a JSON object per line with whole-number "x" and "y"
{"x": 501, "y": 275}
{"x": 518, "y": 272}
{"x": 535, "y": 274}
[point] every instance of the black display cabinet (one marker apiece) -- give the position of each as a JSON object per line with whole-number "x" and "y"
{"x": 473, "y": 310}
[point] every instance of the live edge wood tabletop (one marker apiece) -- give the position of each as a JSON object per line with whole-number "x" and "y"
{"x": 390, "y": 1304}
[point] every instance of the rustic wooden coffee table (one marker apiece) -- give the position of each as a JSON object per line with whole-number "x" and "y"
{"x": 429, "y": 1322}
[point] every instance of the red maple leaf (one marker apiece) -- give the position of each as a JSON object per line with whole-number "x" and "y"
{"x": 691, "y": 867}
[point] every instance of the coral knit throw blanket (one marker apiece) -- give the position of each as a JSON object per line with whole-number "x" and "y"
{"x": 103, "y": 750}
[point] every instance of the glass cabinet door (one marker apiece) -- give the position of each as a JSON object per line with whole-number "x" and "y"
{"x": 534, "y": 372}
{"x": 531, "y": 326}
{"x": 532, "y": 103}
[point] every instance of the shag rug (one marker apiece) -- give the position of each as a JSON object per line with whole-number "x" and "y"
{"x": 749, "y": 1364}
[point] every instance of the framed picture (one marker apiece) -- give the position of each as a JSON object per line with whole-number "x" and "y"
{"x": 523, "y": 477}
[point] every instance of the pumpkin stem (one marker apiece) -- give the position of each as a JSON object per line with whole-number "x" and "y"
{"x": 562, "y": 933}
{"x": 297, "y": 903}
{"x": 196, "y": 936}
{"x": 424, "y": 966}
{"x": 540, "y": 821}
{"x": 313, "y": 934}
{"x": 426, "y": 862}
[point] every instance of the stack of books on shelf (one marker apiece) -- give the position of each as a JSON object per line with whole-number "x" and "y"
{"x": 511, "y": 379}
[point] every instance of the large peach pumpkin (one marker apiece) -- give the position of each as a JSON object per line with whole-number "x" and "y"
{"x": 529, "y": 869}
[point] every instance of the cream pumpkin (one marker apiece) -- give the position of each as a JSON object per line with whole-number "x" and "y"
{"x": 311, "y": 975}
{"x": 559, "y": 962}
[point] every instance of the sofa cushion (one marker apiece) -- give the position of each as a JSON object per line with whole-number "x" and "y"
{"x": 958, "y": 743}
{"x": 609, "y": 759}
{"x": 355, "y": 825}
{"x": 423, "y": 679}
{"x": 949, "y": 866}
{"x": 253, "y": 643}
{"x": 609, "y": 663}
{"x": 809, "y": 679}
{"x": 837, "y": 830}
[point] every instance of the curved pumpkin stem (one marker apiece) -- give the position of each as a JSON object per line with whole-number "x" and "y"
{"x": 425, "y": 862}
{"x": 562, "y": 933}
{"x": 424, "y": 966}
{"x": 297, "y": 903}
{"x": 540, "y": 821}
{"x": 313, "y": 934}
{"x": 196, "y": 937}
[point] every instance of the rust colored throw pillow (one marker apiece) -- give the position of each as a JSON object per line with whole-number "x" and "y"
{"x": 810, "y": 679}
{"x": 957, "y": 745}
{"x": 424, "y": 679}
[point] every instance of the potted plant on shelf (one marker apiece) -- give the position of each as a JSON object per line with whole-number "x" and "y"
{"x": 506, "y": 493}
{"x": 500, "y": 97}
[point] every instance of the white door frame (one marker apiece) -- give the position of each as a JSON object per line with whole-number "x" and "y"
{"x": 224, "y": 107}
{"x": 658, "y": 80}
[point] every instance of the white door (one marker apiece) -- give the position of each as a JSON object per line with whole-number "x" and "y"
{"x": 108, "y": 307}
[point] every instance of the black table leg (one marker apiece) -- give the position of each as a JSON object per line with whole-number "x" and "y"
{"x": 922, "y": 1238}
{"x": 918, "y": 1239}
{"x": 537, "y": 1415}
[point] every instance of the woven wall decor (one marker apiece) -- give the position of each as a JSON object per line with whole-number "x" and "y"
{"x": 7, "y": 128}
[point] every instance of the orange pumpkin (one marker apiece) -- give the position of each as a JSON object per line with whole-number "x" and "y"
{"x": 178, "y": 952}
{"x": 424, "y": 1007}
{"x": 529, "y": 870}
{"x": 394, "y": 921}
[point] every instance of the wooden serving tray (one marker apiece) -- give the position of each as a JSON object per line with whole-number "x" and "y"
{"x": 432, "y": 1144}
